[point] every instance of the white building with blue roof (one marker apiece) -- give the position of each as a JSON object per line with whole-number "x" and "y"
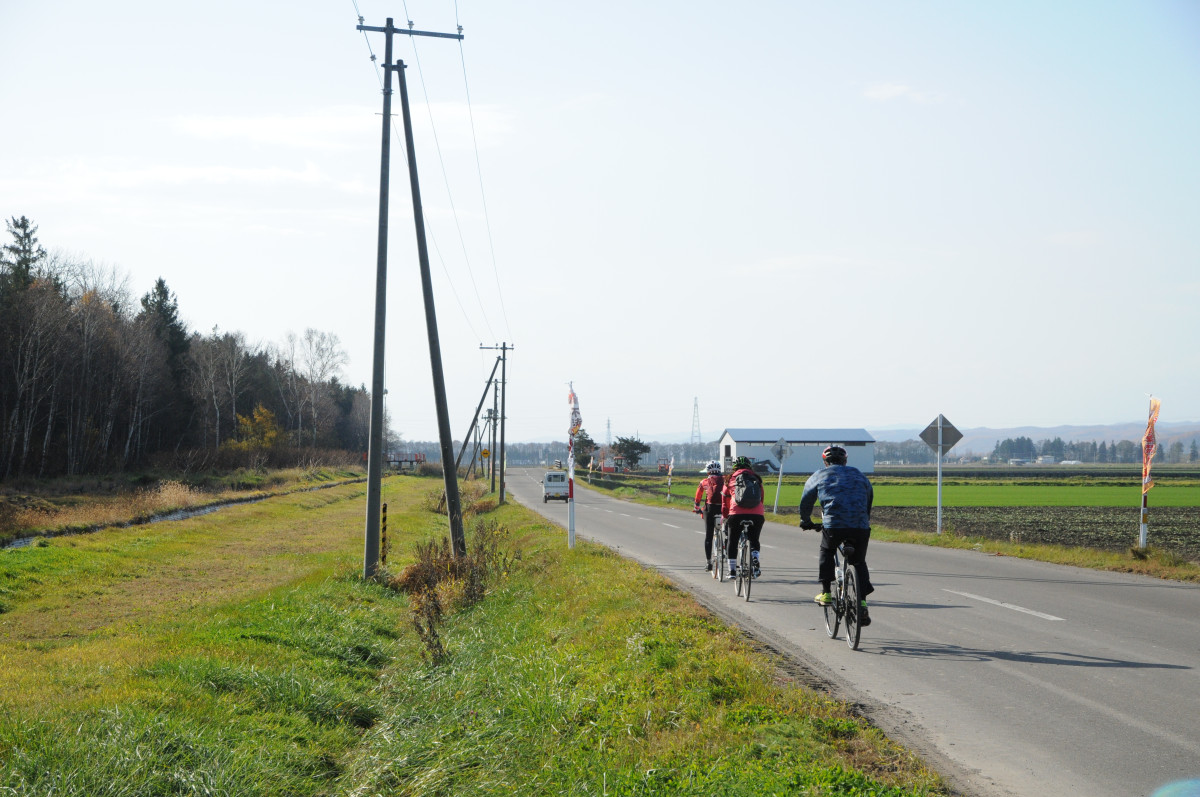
{"x": 806, "y": 447}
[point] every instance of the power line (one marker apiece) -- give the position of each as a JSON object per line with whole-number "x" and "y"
{"x": 396, "y": 132}
{"x": 445, "y": 176}
{"x": 479, "y": 170}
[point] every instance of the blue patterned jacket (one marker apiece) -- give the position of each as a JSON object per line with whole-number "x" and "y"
{"x": 845, "y": 495}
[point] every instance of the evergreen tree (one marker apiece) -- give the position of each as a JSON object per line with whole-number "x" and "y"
{"x": 1194, "y": 452}
{"x": 160, "y": 311}
{"x": 20, "y": 259}
{"x": 584, "y": 446}
{"x": 631, "y": 448}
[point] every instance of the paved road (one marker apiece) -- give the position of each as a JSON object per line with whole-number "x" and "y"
{"x": 1011, "y": 677}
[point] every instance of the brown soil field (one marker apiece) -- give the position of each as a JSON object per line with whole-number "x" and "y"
{"x": 1174, "y": 529}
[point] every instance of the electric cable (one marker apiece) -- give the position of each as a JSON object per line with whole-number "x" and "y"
{"x": 446, "y": 178}
{"x": 400, "y": 139}
{"x": 479, "y": 171}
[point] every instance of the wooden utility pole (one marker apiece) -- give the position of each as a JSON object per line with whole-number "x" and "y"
{"x": 375, "y": 446}
{"x": 504, "y": 349}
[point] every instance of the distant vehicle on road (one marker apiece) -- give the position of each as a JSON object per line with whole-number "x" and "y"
{"x": 764, "y": 466}
{"x": 554, "y": 485}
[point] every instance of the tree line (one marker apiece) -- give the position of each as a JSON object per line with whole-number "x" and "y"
{"x": 1090, "y": 451}
{"x": 93, "y": 381}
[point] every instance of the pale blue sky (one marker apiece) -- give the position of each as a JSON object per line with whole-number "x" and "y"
{"x": 999, "y": 201}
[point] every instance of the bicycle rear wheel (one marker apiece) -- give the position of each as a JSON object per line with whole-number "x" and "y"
{"x": 740, "y": 580}
{"x": 719, "y": 555}
{"x": 746, "y": 571}
{"x": 853, "y": 626}
{"x": 833, "y": 617}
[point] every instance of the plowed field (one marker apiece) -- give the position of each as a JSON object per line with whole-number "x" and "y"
{"x": 1175, "y": 529}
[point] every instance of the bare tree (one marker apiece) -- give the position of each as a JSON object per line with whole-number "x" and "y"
{"x": 38, "y": 319}
{"x": 288, "y": 383}
{"x": 231, "y": 360}
{"x": 321, "y": 359}
{"x": 204, "y": 367}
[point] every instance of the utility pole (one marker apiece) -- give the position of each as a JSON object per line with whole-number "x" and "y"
{"x": 495, "y": 413}
{"x": 696, "y": 439}
{"x": 375, "y": 446}
{"x": 504, "y": 350}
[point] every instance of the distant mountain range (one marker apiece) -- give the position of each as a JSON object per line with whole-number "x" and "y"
{"x": 983, "y": 439}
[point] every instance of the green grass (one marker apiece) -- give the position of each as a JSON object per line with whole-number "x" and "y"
{"x": 1028, "y": 495}
{"x": 240, "y": 654}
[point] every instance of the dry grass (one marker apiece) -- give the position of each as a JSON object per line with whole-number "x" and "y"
{"x": 28, "y": 514}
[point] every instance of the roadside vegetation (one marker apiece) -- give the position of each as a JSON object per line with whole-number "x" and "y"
{"x": 1044, "y": 520}
{"x": 240, "y": 653}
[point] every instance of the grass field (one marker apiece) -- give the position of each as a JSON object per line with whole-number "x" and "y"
{"x": 239, "y": 653}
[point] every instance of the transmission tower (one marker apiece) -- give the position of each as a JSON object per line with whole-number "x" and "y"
{"x": 696, "y": 438}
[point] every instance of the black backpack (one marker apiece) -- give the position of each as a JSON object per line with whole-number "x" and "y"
{"x": 747, "y": 490}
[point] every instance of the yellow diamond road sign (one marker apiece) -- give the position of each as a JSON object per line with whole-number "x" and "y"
{"x": 485, "y": 453}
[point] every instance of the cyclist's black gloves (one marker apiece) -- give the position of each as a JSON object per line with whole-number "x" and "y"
{"x": 807, "y": 525}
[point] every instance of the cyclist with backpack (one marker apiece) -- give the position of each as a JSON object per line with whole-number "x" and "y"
{"x": 742, "y": 499}
{"x": 709, "y": 492}
{"x": 846, "y": 497}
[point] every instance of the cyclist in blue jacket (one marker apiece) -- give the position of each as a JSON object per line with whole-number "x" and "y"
{"x": 846, "y": 497}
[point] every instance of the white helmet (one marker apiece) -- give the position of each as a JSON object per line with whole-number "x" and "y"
{"x": 713, "y": 467}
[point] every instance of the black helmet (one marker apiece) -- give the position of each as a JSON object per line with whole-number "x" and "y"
{"x": 741, "y": 463}
{"x": 834, "y": 455}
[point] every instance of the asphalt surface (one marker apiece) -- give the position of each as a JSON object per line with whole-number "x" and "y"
{"x": 1010, "y": 677}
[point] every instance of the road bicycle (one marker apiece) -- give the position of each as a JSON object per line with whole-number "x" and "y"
{"x": 745, "y": 571}
{"x": 846, "y": 603}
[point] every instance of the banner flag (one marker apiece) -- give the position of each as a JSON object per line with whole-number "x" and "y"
{"x": 576, "y": 424}
{"x": 1149, "y": 446}
{"x": 576, "y": 419}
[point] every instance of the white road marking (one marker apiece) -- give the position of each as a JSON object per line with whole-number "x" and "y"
{"x": 645, "y": 519}
{"x": 772, "y": 547}
{"x": 1014, "y": 607}
{"x": 622, "y": 514}
{"x": 668, "y": 525}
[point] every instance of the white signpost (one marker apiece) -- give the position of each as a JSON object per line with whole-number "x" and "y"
{"x": 782, "y": 451}
{"x": 940, "y": 435}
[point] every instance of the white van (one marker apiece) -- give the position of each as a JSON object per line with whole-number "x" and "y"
{"x": 554, "y": 485}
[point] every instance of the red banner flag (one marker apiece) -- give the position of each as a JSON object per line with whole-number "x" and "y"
{"x": 1149, "y": 446}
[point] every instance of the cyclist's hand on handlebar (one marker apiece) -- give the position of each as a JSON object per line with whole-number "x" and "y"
{"x": 696, "y": 509}
{"x": 807, "y": 525}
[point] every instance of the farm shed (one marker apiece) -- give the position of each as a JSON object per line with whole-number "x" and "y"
{"x": 806, "y": 445}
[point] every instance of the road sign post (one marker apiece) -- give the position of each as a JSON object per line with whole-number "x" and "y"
{"x": 940, "y": 435}
{"x": 782, "y": 451}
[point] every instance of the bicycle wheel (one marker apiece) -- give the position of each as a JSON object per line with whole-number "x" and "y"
{"x": 851, "y": 599}
{"x": 740, "y": 579}
{"x": 833, "y": 616}
{"x": 719, "y": 555}
{"x": 746, "y": 571}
